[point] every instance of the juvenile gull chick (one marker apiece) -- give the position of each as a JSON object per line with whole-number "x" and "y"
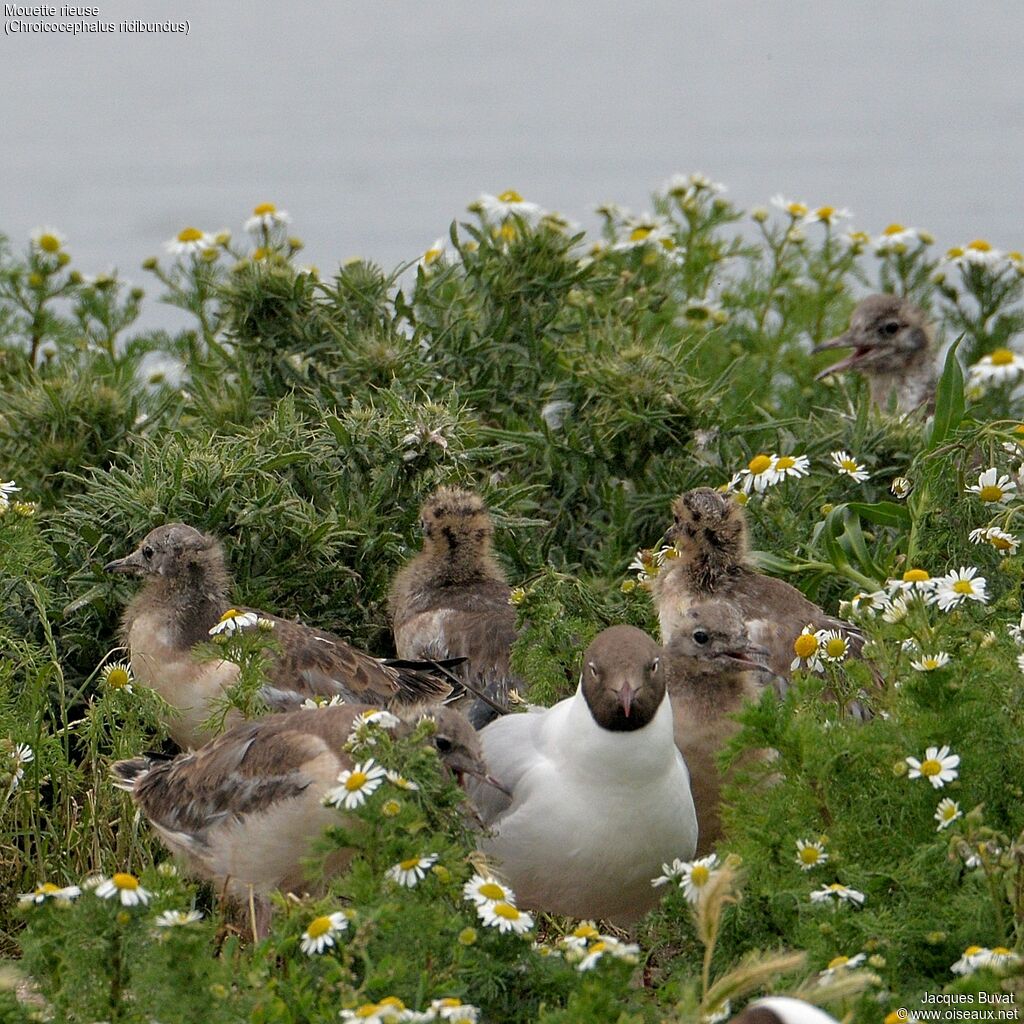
{"x": 600, "y": 796}
{"x": 452, "y": 600}
{"x": 245, "y": 810}
{"x": 713, "y": 669}
{"x": 184, "y": 595}
{"x": 710, "y": 535}
{"x": 891, "y": 341}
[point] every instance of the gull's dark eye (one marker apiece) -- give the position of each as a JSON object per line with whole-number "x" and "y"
{"x": 890, "y": 328}
{"x": 653, "y": 667}
{"x": 443, "y": 744}
{"x": 147, "y": 552}
{"x": 700, "y": 636}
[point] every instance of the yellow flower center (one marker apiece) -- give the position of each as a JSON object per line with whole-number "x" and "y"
{"x": 699, "y": 875}
{"x": 598, "y": 947}
{"x": 810, "y": 855}
{"x": 1000, "y": 543}
{"x": 318, "y": 926}
{"x": 838, "y": 961}
{"x": 391, "y": 809}
{"x": 1001, "y": 950}
{"x": 510, "y": 195}
{"x": 639, "y": 234}
{"x": 408, "y": 865}
{"x": 264, "y": 208}
{"x": 860, "y": 236}
{"x": 367, "y": 1010}
{"x": 392, "y": 1001}
{"x": 785, "y": 462}
{"x": 825, "y": 212}
{"x": 979, "y": 245}
{"x": 190, "y": 235}
{"x": 356, "y": 781}
{"x": 118, "y": 677}
{"x": 260, "y": 254}
{"x": 796, "y": 209}
{"x": 915, "y": 576}
{"x": 835, "y": 647}
{"x": 963, "y": 587}
{"x": 125, "y": 881}
{"x": 450, "y": 1001}
{"x": 894, "y": 229}
{"x": 948, "y": 812}
{"x": 507, "y": 911}
{"x": 973, "y": 950}
{"x": 492, "y": 891}
{"x": 49, "y": 243}
{"x": 1001, "y": 357}
{"x": 850, "y": 465}
{"x": 836, "y": 887}
{"x": 432, "y": 255}
{"x": 229, "y": 614}
{"x": 585, "y": 931}
{"x": 805, "y": 645}
{"x": 930, "y": 767}
{"x": 47, "y": 888}
{"x": 758, "y": 464}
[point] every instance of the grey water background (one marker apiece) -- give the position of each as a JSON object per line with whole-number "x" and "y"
{"x": 374, "y": 122}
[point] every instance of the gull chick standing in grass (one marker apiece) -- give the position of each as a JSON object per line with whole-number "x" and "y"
{"x": 713, "y": 670}
{"x": 892, "y": 348}
{"x": 599, "y": 794}
{"x": 185, "y": 597}
{"x": 452, "y": 599}
{"x": 710, "y": 535}
{"x": 245, "y": 810}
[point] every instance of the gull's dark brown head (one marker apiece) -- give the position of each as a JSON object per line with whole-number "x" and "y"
{"x": 887, "y": 333}
{"x": 453, "y": 517}
{"x": 623, "y": 678}
{"x": 713, "y": 635}
{"x": 708, "y": 526}
{"x": 171, "y": 552}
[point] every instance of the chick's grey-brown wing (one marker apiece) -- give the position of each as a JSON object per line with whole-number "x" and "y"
{"x": 315, "y": 663}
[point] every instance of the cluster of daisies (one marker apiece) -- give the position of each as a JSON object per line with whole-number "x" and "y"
{"x": 585, "y": 947}
{"x": 495, "y": 905}
{"x": 764, "y": 471}
{"x": 268, "y": 228}
{"x": 10, "y": 504}
{"x": 391, "y": 1010}
{"x": 121, "y": 887}
{"x": 976, "y": 957}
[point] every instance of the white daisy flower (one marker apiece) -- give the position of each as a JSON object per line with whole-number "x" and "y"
{"x": 6, "y": 490}
{"x": 321, "y": 932}
{"x": 266, "y": 217}
{"x": 177, "y": 918}
{"x": 318, "y": 701}
{"x": 607, "y": 945}
{"x": 827, "y": 215}
{"x": 190, "y": 242}
{"x": 434, "y": 257}
{"x": 832, "y": 645}
{"x": 973, "y": 957}
{"x": 810, "y": 854}
{"x": 647, "y": 230}
{"x": 356, "y": 785}
{"x": 696, "y": 875}
{"x": 1000, "y": 956}
{"x": 807, "y": 648}
{"x": 901, "y": 487}
{"x": 117, "y": 676}
{"x": 895, "y": 238}
{"x": 758, "y": 475}
{"x": 847, "y": 465}
{"x": 790, "y": 465}
{"x": 20, "y": 754}
{"x": 794, "y": 208}
{"x": 938, "y": 767}
{"x": 1005, "y": 543}
{"x": 1016, "y": 630}
{"x": 978, "y": 253}
{"x": 412, "y": 871}
{"x": 867, "y": 602}
{"x": 962, "y": 585}
{"x": 48, "y": 891}
{"x": 124, "y": 887}
{"x": 401, "y": 781}
{"x": 931, "y": 662}
{"x": 506, "y": 917}
{"x": 507, "y": 204}
{"x": 993, "y": 488}
{"x": 48, "y": 240}
{"x": 387, "y": 1011}
{"x": 998, "y": 367}
{"x": 840, "y": 893}
{"x": 896, "y": 610}
{"x": 723, "y": 1011}
{"x": 946, "y": 813}
{"x": 483, "y": 889}
{"x": 452, "y": 1009}
{"x": 580, "y": 936}
{"x": 233, "y": 620}
{"x": 839, "y": 964}
{"x": 672, "y": 873}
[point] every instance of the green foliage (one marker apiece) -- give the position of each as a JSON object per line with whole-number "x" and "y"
{"x": 579, "y": 385}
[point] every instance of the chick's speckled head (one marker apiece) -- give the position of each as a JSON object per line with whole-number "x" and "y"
{"x": 452, "y": 516}
{"x": 714, "y": 634}
{"x": 170, "y": 551}
{"x": 708, "y": 524}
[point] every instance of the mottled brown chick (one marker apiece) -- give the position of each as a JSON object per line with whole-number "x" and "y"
{"x": 712, "y": 669}
{"x": 452, "y": 599}
{"x": 891, "y": 341}
{"x": 245, "y": 810}
{"x": 710, "y": 535}
{"x": 185, "y": 593}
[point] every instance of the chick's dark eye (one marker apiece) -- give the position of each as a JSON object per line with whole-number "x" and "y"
{"x": 147, "y": 552}
{"x": 653, "y": 667}
{"x": 443, "y": 744}
{"x": 890, "y": 328}
{"x": 699, "y": 636}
